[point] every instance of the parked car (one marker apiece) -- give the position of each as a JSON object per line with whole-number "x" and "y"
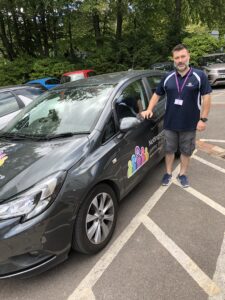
{"x": 164, "y": 66}
{"x": 214, "y": 67}
{"x": 76, "y": 75}
{"x": 67, "y": 160}
{"x": 13, "y": 99}
{"x": 46, "y": 83}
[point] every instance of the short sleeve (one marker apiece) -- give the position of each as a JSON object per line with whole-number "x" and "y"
{"x": 205, "y": 85}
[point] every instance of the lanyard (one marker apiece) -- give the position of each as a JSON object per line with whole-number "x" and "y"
{"x": 180, "y": 89}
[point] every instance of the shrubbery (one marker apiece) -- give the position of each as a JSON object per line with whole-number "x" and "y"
{"x": 202, "y": 43}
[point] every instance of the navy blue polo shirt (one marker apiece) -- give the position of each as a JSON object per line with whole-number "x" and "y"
{"x": 186, "y": 116}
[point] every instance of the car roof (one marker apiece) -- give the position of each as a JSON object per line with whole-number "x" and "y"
{"x": 110, "y": 78}
{"x": 162, "y": 63}
{"x": 213, "y": 54}
{"x": 78, "y": 72}
{"x": 42, "y": 79}
{"x": 16, "y": 87}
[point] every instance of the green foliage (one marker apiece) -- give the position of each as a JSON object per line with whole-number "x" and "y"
{"x": 52, "y": 67}
{"x": 47, "y": 38}
{"x": 23, "y": 69}
{"x": 200, "y": 44}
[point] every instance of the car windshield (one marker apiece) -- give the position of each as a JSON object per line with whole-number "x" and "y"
{"x": 61, "y": 112}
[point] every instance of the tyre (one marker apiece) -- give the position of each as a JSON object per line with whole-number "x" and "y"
{"x": 96, "y": 220}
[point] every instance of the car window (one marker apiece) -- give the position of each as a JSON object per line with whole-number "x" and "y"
{"x": 109, "y": 130}
{"x": 131, "y": 101}
{"x": 8, "y": 104}
{"x": 52, "y": 81}
{"x": 74, "y": 110}
{"x": 31, "y": 93}
{"x": 65, "y": 79}
{"x": 153, "y": 81}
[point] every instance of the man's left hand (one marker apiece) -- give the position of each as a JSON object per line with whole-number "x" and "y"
{"x": 201, "y": 126}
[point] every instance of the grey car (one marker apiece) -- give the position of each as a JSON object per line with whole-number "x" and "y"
{"x": 67, "y": 160}
{"x": 214, "y": 67}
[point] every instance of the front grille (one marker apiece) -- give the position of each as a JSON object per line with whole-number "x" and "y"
{"x": 221, "y": 71}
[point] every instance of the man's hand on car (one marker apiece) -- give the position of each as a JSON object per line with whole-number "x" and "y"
{"x": 146, "y": 114}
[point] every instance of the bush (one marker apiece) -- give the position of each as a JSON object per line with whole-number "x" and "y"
{"x": 200, "y": 44}
{"x": 24, "y": 69}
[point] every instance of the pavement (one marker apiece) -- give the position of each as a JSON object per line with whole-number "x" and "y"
{"x": 169, "y": 242}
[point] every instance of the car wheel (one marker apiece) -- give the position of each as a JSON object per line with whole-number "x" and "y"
{"x": 96, "y": 220}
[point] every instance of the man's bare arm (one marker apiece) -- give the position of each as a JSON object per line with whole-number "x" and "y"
{"x": 152, "y": 103}
{"x": 206, "y": 104}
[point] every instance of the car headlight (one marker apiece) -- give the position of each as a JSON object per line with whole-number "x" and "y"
{"x": 35, "y": 200}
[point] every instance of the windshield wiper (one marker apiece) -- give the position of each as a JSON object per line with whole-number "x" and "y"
{"x": 13, "y": 136}
{"x": 63, "y": 135}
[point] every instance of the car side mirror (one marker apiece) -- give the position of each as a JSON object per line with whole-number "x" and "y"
{"x": 128, "y": 123}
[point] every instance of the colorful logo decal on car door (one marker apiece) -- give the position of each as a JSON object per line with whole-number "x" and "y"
{"x": 3, "y": 158}
{"x": 138, "y": 159}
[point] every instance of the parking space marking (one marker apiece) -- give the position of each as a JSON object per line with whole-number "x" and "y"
{"x": 184, "y": 260}
{"x": 218, "y": 94}
{"x": 84, "y": 289}
{"x": 212, "y": 141}
{"x": 222, "y": 170}
{"x": 102, "y": 264}
{"x": 204, "y": 199}
{"x": 219, "y": 275}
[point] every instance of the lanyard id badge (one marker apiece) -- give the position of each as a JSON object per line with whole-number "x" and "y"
{"x": 179, "y": 101}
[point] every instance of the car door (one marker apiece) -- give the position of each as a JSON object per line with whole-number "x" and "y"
{"x": 159, "y": 110}
{"x": 137, "y": 145}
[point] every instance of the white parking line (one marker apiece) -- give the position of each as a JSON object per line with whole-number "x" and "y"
{"x": 222, "y": 170}
{"x": 96, "y": 272}
{"x": 219, "y": 275}
{"x": 212, "y": 141}
{"x": 218, "y": 94}
{"x": 184, "y": 260}
{"x": 84, "y": 289}
{"x": 204, "y": 199}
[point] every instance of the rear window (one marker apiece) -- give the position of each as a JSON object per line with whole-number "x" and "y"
{"x": 31, "y": 93}
{"x": 53, "y": 81}
{"x": 65, "y": 79}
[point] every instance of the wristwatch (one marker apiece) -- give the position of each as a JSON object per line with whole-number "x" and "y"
{"x": 204, "y": 119}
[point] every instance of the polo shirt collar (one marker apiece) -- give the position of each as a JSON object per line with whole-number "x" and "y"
{"x": 179, "y": 75}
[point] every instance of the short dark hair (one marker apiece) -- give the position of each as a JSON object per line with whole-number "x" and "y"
{"x": 179, "y": 47}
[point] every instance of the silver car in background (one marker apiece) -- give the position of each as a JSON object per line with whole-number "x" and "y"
{"x": 15, "y": 98}
{"x": 214, "y": 67}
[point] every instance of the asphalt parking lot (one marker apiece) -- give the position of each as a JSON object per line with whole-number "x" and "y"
{"x": 169, "y": 243}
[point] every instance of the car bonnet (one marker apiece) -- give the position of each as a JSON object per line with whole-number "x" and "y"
{"x": 24, "y": 163}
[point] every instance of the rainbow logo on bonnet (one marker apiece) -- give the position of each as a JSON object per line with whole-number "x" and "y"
{"x": 3, "y": 158}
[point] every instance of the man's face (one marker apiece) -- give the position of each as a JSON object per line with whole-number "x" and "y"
{"x": 181, "y": 59}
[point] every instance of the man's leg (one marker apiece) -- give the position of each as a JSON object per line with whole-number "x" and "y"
{"x": 169, "y": 162}
{"x": 184, "y": 164}
{"x": 187, "y": 146}
{"x": 171, "y": 144}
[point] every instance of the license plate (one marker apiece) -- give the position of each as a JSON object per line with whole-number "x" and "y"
{"x": 222, "y": 76}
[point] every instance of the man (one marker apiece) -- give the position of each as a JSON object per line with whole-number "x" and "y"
{"x": 184, "y": 88}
